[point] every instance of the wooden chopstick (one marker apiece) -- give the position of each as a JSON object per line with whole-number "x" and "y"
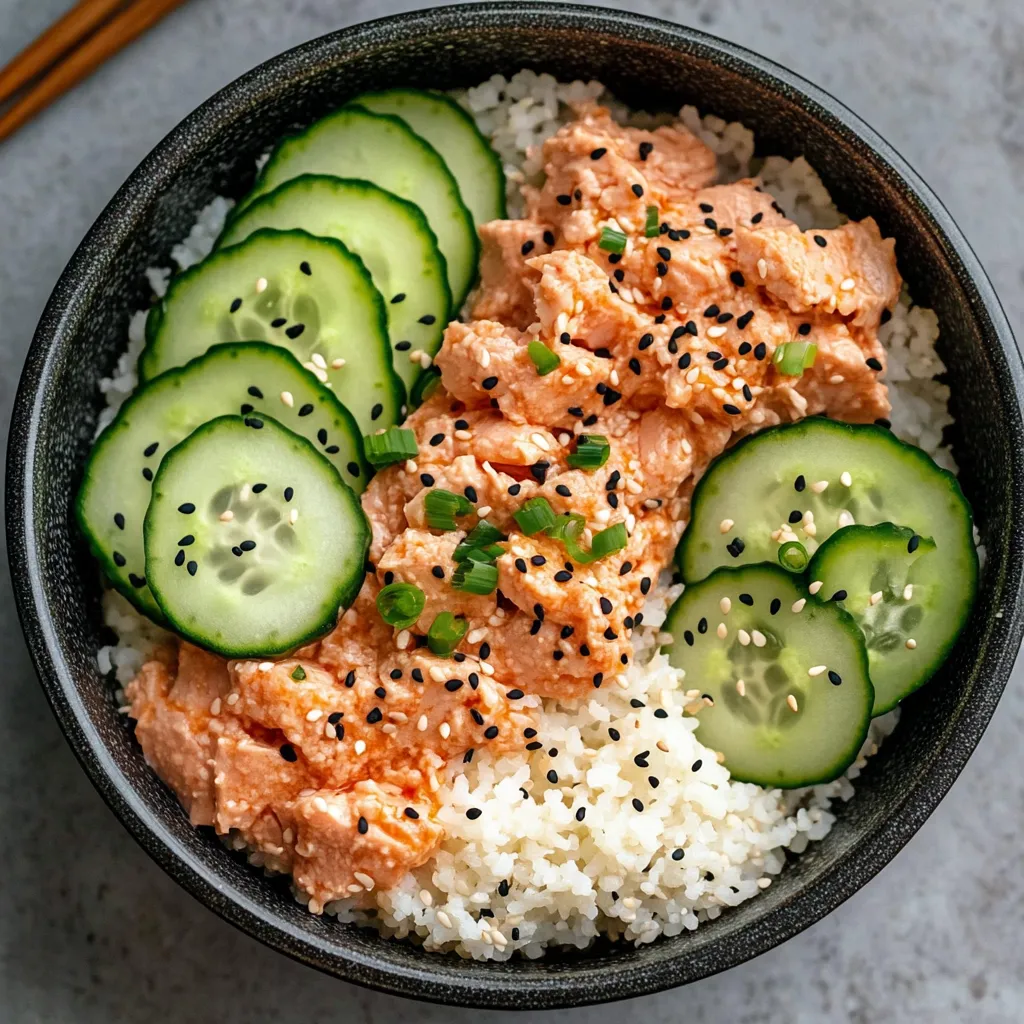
{"x": 77, "y": 64}
{"x": 84, "y": 18}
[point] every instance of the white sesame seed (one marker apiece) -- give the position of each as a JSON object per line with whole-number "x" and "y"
{"x": 337, "y": 364}
{"x": 614, "y": 378}
{"x": 816, "y": 670}
{"x": 215, "y": 706}
{"x": 722, "y": 631}
{"x": 360, "y": 747}
{"x": 330, "y": 732}
{"x": 232, "y": 699}
{"x": 717, "y": 331}
{"x": 445, "y": 730}
{"x": 487, "y": 668}
{"x": 425, "y": 360}
{"x": 758, "y": 637}
{"x": 568, "y": 381}
{"x": 845, "y": 519}
{"x": 836, "y": 378}
{"x": 810, "y": 529}
{"x": 474, "y": 636}
{"x": 320, "y": 804}
{"x": 911, "y": 644}
{"x": 411, "y": 466}
{"x": 726, "y": 525}
{"x": 293, "y": 516}
{"x": 261, "y": 285}
{"x": 692, "y": 375}
{"x": 354, "y": 888}
{"x": 908, "y": 591}
{"x": 845, "y": 479}
{"x": 564, "y": 438}
{"x": 444, "y": 919}
{"x": 818, "y": 486}
{"x": 364, "y": 880}
{"x": 798, "y": 606}
{"x": 583, "y": 369}
{"x": 243, "y": 494}
{"x": 741, "y": 687}
{"x": 226, "y": 516}
{"x": 319, "y": 360}
{"x": 762, "y": 268}
{"x": 402, "y": 640}
{"x": 633, "y": 487}
{"x": 763, "y": 883}
{"x": 815, "y": 586}
{"x": 314, "y": 715}
{"x": 266, "y": 666}
{"x": 791, "y": 701}
{"x": 540, "y": 441}
{"x": 425, "y": 898}
{"x": 437, "y": 674}
{"x": 483, "y": 357}
{"x": 463, "y": 435}
{"x": 725, "y": 604}
{"x": 422, "y": 723}
{"x": 847, "y": 284}
{"x": 876, "y": 597}
{"x": 286, "y": 397}
{"x": 414, "y": 355}
{"x": 743, "y": 636}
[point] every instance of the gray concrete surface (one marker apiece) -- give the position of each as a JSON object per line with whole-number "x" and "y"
{"x": 91, "y": 931}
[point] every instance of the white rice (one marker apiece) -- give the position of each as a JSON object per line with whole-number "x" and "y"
{"x": 527, "y": 874}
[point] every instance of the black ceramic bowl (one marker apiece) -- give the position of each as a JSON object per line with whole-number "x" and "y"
{"x": 650, "y": 63}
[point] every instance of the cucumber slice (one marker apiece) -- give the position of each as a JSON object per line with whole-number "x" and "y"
{"x": 404, "y": 261}
{"x": 454, "y": 134}
{"x": 274, "y": 576}
{"x": 310, "y": 295}
{"x": 240, "y": 378}
{"x": 771, "y": 660}
{"x": 353, "y": 143}
{"x": 768, "y": 481}
{"x": 914, "y": 603}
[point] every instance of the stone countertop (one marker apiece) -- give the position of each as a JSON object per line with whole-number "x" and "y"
{"x": 91, "y": 931}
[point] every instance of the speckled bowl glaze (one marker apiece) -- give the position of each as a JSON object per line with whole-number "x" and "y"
{"x": 651, "y": 64}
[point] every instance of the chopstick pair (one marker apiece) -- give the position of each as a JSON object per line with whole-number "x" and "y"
{"x": 70, "y": 50}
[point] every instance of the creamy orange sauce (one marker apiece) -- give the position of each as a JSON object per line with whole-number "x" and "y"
{"x": 329, "y": 762}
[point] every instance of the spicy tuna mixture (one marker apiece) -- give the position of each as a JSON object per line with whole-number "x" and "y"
{"x": 329, "y": 763}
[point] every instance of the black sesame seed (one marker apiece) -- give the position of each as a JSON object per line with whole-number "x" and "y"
{"x": 720, "y": 364}
{"x": 799, "y": 483}
{"x": 236, "y": 305}
{"x": 192, "y": 568}
{"x": 436, "y": 440}
{"x": 873, "y": 363}
{"x": 476, "y": 716}
{"x": 295, "y": 330}
{"x": 735, "y": 548}
{"x": 563, "y": 491}
{"x": 666, "y": 303}
{"x": 453, "y": 684}
{"x": 428, "y": 319}
{"x": 489, "y": 383}
{"x": 186, "y": 509}
{"x": 539, "y": 471}
{"x": 179, "y": 558}
{"x": 287, "y": 751}
{"x": 350, "y": 679}
{"x": 883, "y": 422}
{"x": 374, "y": 716}
{"x": 637, "y": 190}
{"x": 747, "y": 600}
{"x": 761, "y": 350}
{"x": 473, "y": 813}
{"x": 839, "y": 595}
{"x": 520, "y": 564}
{"x": 804, "y": 330}
{"x": 638, "y": 805}
{"x": 913, "y": 543}
{"x": 724, "y": 318}
{"x": 702, "y": 626}
{"x": 563, "y": 200}
{"x": 636, "y": 703}
{"x": 148, "y": 473}
{"x": 774, "y": 606}
{"x": 737, "y": 279}
{"x": 562, "y": 576}
{"x": 279, "y": 321}
{"x": 535, "y": 745}
{"x": 684, "y": 361}
{"x": 820, "y": 240}
{"x": 306, "y": 409}
{"x": 677, "y": 854}
{"x": 376, "y": 411}
{"x": 645, "y": 585}
{"x": 732, "y": 410}
{"x": 577, "y": 194}
{"x": 645, "y": 149}
{"x": 688, "y": 637}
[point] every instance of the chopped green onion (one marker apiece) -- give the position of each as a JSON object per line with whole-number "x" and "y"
{"x": 396, "y": 444}
{"x": 489, "y": 553}
{"x": 793, "y": 556}
{"x": 424, "y": 386}
{"x": 591, "y": 452}
{"x": 612, "y": 241}
{"x": 476, "y": 577}
{"x": 443, "y": 506}
{"x": 567, "y": 529}
{"x": 484, "y": 533}
{"x": 446, "y": 633}
{"x": 609, "y": 541}
{"x": 543, "y": 358}
{"x": 534, "y": 516}
{"x": 401, "y": 604}
{"x": 793, "y": 357}
{"x": 652, "y": 227}
{"x": 298, "y": 673}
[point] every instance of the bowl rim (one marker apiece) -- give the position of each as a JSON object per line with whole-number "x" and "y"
{"x": 477, "y": 988}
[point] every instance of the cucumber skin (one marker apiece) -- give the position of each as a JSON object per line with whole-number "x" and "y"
{"x": 941, "y": 654}
{"x": 815, "y": 422}
{"x": 501, "y": 212}
{"x": 151, "y": 609}
{"x": 155, "y": 318}
{"x": 345, "y": 593}
{"x": 846, "y": 620}
{"x": 257, "y": 192}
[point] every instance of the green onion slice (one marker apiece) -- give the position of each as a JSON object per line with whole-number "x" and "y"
{"x": 793, "y": 556}
{"x": 443, "y": 506}
{"x": 446, "y": 633}
{"x": 793, "y": 357}
{"x": 476, "y": 577}
{"x": 543, "y": 358}
{"x": 607, "y": 542}
{"x": 424, "y": 386}
{"x": 396, "y": 444}
{"x": 534, "y": 516}
{"x": 611, "y": 240}
{"x": 401, "y": 604}
{"x": 651, "y": 227}
{"x": 567, "y": 528}
{"x": 298, "y": 673}
{"x": 489, "y": 553}
{"x": 591, "y": 453}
